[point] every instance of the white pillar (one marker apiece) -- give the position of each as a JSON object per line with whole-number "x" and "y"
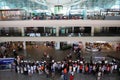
{"x": 57, "y": 45}
{"x": 24, "y": 45}
{"x": 83, "y": 43}
{"x": 57, "y": 31}
{"x": 23, "y": 32}
{"x": 92, "y": 31}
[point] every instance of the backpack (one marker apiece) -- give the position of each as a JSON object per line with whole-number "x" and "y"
{"x": 65, "y": 71}
{"x": 86, "y": 68}
{"x": 108, "y": 68}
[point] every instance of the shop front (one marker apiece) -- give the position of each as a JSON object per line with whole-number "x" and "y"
{"x": 99, "y": 46}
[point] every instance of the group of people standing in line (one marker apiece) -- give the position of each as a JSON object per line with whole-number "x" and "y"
{"x": 66, "y": 68}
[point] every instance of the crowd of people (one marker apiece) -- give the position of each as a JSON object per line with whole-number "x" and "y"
{"x": 66, "y": 68}
{"x": 9, "y": 49}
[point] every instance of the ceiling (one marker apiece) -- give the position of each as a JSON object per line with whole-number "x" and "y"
{"x": 60, "y": 2}
{"x": 48, "y": 4}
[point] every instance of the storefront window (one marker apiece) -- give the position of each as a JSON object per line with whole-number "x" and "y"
{"x": 107, "y": 31}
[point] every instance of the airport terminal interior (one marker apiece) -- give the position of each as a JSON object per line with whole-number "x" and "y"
{"x": 59, "y": 39}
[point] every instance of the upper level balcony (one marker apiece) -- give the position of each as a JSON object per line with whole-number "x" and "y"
{"x": 59, "y": 31}
{"x": 58, "y": 28}
{"x": 57, "y": 17}
{"x": 20, "y": 14}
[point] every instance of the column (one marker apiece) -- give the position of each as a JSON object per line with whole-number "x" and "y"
{"x": 83, "y": 43}
{"x": 72, "y": 31}
{"x": 0, "y": 31}
{"x": 92, "y": 31}
{"x": 24, "y": 48}
{"x": 85, "y": 13}
{"x": 57, "y": 45}
{"x": 24, "y": 45}
{"x": 57, "y": 31}
{"x": 23, "y": 32}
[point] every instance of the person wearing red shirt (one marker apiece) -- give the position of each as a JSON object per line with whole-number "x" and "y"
{"x": 71, "y": 77}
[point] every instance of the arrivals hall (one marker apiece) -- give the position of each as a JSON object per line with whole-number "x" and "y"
{"x": 59, "y": 39}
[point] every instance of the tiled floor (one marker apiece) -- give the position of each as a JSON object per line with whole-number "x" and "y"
{"x": 8, "y": 75}
{"x": 37, "y": 53}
